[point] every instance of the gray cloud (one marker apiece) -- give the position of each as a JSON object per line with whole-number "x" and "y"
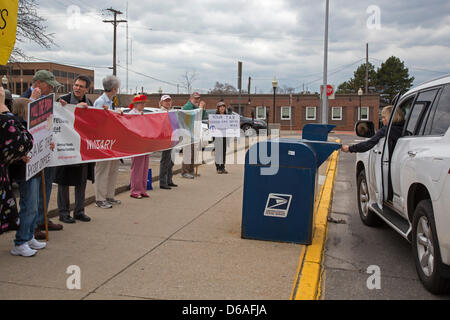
{"x": 272, "y": 37}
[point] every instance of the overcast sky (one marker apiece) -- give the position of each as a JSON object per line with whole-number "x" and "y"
{"x": 282, "y": 38}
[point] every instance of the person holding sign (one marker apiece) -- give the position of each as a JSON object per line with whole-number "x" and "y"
{"x": 140, "y": 164}
{"x": 220, "y": 144}
{"x": 44, "y": 83}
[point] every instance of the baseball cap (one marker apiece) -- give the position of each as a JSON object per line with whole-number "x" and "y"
{"x": 46, "y": 76}
{"x": 165, "y": 97}
{"x": 195, "y": 95}
{"x": 221, "y": 103}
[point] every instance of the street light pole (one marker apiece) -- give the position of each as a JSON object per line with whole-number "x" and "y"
{"x": 325, "y": 69}
{"x": 360, "y": 93}
{"x": 274, "y": 85}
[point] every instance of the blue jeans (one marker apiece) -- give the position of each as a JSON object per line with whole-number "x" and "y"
{"x": 29, "y": 202}
{"x": 49, "y": 177}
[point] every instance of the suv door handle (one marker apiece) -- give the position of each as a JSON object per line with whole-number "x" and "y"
{"x": 412, "y": 153}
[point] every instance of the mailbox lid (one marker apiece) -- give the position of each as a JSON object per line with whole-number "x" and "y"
{"x": 287, "y": 153}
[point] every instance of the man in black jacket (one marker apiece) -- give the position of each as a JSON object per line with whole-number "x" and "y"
{"x": 74, "y": 175}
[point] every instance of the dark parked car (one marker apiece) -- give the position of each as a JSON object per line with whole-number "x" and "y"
{"x": 250, "y": 126}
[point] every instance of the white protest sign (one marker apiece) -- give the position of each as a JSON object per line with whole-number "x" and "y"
{"x": 224, "y": 125}
{"x": 40, "y": 125}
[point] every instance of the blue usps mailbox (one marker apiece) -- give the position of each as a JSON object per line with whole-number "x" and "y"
{"x": 279, "y": 196}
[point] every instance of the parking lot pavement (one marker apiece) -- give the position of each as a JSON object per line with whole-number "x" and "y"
{"x": 353, "y": 247}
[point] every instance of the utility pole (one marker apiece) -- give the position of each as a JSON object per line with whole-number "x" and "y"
{"x": 127, "y": 47}
{"x": 367, "y": 68}
{"x": 325, "y": 69}
{"x": 115, "y": 22}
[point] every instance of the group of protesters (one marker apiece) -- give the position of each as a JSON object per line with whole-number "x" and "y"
{"x": 16, "y": 142}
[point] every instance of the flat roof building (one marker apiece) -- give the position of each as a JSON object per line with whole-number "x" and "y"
{"x": 20, "y": 75}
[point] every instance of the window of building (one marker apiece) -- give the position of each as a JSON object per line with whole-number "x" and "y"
{"x": 56, "y": 73}
{"x": 15, "y": 72}
{"x": 260, "y": 112}
{"x": 363, "y": 113}
{"x": 3, "y": 72}
{"x": 70, "y": 75}
{"x": 28, "y": 72}
{"x": 336, "y": 113}
{"x": 285, "y": 113}
{"x": 63, "y": 74}
{"x": 24, "y": 87}
{"x": 310, "y": 113}
{"x": 18, "y": 88}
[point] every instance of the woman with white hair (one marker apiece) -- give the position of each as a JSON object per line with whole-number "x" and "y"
{"x": 106, "y": 171}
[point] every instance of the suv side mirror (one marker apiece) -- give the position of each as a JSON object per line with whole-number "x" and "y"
{"x": 365, "y": 129}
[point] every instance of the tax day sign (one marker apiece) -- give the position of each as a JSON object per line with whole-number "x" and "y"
{"x": 224, "y": 125}
{"x": 40, "y": 125}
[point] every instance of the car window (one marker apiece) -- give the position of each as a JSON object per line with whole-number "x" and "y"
{"x": 439, "y": 123}
{"x": 402, "y": 111}
{"x": 421, "y": 106}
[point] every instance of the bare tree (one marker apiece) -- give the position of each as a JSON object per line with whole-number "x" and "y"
{"x": 30, "y": 26}
{"x": 223, "y": 88}
{"x": 188, "y": 79}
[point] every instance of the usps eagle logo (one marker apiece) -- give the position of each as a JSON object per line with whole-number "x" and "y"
{"x": 278, "y": 205}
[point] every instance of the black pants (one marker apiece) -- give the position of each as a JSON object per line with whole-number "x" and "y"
{"x": 64, "y": 201}
{"x": 220, "y": 145}
{"x": 165, "y": 168}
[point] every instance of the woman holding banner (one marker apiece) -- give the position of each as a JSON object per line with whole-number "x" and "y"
{"x": 140, "y": 164}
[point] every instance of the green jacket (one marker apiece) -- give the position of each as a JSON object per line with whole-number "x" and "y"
{"x": 190, "y": 106}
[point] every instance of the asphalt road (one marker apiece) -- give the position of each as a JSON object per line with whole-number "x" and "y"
{"x": 353, "y": 249}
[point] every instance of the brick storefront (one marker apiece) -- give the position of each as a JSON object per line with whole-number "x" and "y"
{"x": 346, "y": 106}
{"x": 20, "y": 75}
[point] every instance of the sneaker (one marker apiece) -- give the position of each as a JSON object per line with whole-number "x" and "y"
{"x": 36, "y": 245}
{"x": 187, "y": 176}
{"x": 224, "y": 171}
{"x": 23, "y": 250}
{"x": 113, "y": 201}
{"x": 103, "y": 204}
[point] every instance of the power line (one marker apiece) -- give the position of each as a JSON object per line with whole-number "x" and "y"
{"x": 153, "y": 78}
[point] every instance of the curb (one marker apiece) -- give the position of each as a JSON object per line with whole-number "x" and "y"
{"x": 307, "y": 284}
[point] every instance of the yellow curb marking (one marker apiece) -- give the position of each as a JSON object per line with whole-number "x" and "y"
{"x": 310, "y": 265}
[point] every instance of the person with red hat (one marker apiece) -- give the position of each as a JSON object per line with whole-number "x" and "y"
{"x": 140, "y": 164}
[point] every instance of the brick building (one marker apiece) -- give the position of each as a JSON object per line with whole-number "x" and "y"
{"x": 20, "y": 75}
{"x": 292, "y": 112}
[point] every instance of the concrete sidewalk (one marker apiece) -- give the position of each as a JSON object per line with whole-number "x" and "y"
{"x": 178, "y": 244}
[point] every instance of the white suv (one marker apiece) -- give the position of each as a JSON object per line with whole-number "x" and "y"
{"x": 410, "y": 189}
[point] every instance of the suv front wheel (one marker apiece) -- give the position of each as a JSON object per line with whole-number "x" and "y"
{"x": 426, "y": 249}
{"x": 368, "y": 217}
